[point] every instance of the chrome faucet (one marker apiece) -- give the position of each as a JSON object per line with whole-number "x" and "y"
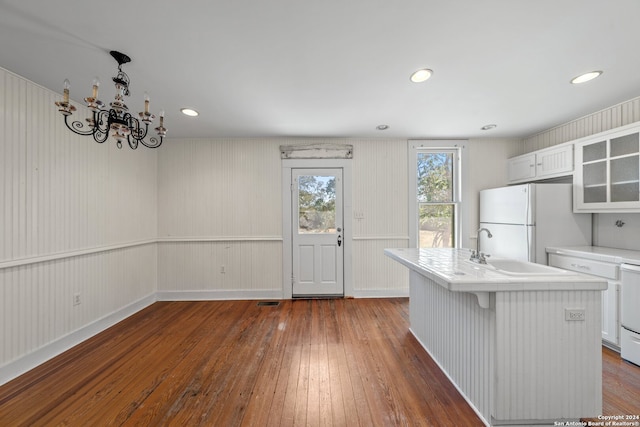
{"x": 477, "y": 255}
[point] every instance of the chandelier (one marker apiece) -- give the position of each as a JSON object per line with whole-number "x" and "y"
{"x": 124, "y": 126}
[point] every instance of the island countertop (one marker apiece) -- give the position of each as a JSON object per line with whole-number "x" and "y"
{"x": 524, "y": 312}
{"x": 452, "y": 269}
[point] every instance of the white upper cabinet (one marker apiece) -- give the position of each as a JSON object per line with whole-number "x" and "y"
{"x": 548, "y": 163}
{"x": 607, "y": 174}
{"x": 522, "y": 168}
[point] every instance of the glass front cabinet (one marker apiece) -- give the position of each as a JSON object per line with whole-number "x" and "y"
{"x": 607, "y": 171}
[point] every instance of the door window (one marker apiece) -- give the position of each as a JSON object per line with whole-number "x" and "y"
{"x": 316, "y": 204}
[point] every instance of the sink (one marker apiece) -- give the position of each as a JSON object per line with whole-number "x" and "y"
{"x": 523, "y": 268}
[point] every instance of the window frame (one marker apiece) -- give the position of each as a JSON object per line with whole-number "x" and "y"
{"x": 457, "y": 147}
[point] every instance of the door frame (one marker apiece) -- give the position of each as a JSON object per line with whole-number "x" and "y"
{"x": 287, "y": 218}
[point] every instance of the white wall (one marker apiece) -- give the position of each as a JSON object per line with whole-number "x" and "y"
{"x": 76, "y": 217}
{"x": 605, "y": 233}
{"x": 219, "y": 204}
{"x": 380, "y": 200}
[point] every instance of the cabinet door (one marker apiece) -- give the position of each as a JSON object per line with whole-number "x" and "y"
{"x": 542, "y": 164}
{"x": 607, "y": 173}
{"x": 555, "y": 162}
{"x": 522, "y": 168}
{"x": 594, "y": 174}
{"x": 624, "y": 164}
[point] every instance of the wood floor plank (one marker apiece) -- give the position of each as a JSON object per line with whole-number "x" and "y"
{"x": 301, "y": 394}
{"x": 263, "y": 396}
{"x": 351, "y": 369}
{"x": 232, "y": 363}
{"x": 334, "y": 405}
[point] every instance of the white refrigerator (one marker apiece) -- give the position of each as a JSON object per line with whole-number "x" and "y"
{"x": 525, "y": 219}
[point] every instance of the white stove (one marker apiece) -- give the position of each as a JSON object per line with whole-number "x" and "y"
{"x": 630, "y": 319}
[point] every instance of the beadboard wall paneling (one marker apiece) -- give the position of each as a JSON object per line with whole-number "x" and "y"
{"x": 212, "y": 189}
{"x": 62, "y": 192}
{"x": 459, "y": 336}
{"x": 376, "y": 275}
{"x": 380, "y": 188}
{"x": 61, "y": 197}
{"x": 491, "y": 357}
{"x": 537, "y": 374}
{"x": 216, "y": 189}
{"x": 380, "y": 216}
{"x": 37, "y": 304}
{"x": 248, "y": 266}
{"x": 219, "y": 187}
{"x": 618, "y": 115}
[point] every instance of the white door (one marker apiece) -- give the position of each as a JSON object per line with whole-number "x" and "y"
{"x": 317, "y": 232}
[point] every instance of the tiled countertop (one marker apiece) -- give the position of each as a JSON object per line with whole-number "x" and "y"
{"x": 452, "y": 269}
{"x": 598, "y": 253}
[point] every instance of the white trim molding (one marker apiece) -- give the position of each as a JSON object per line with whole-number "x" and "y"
{"x": 365, "y": 238}
{"x": 287, "y": 220}
{"x": 29, "y": 361}
{"x": 414, "y": 146}
{"x": 218, "y": 295}
{"x": 71, "y": 254}
{"x": 317, "y": 151}
{"x": 387, "y": 293}
{"x": 221, "y": 239}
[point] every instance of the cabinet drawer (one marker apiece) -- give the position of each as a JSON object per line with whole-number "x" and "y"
{"x": 586, "y": 266}
{"x": 630, "y": 344}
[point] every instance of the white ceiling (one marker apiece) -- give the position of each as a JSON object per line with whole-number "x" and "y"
{"x": 336, "y": 68}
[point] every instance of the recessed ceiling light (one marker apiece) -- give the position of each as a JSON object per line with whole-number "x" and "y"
{"x": 189, "y": 112}
{"x": 488, "y": 127}
{"x": 382, "y": 127}
{"x": 585, "y": 77}
{"x": 421, "y": 75}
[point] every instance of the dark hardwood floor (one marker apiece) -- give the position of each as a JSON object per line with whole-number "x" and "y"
{"x": 228, "y": 363}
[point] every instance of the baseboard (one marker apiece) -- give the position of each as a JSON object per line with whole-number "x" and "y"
{"x": 26, "y": 363}
{"x": 611, "y": 346}
{"x": 217, "y": 295}
{"x": 387, "y": 293}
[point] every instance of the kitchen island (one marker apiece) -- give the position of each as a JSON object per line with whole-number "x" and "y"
{"x": 520, "y": 341}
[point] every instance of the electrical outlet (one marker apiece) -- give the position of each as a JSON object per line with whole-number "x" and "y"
{"x": 574, "y": 314}
{"x": 222, "y": 270}
{"x": 76, "y": 299}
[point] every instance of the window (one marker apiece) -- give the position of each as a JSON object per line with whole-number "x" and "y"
{"x": 435, "y": 194}
{"x": 316, "y": 204}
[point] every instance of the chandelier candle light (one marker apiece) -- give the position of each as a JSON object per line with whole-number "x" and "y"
{"x": 117, "y": 118}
